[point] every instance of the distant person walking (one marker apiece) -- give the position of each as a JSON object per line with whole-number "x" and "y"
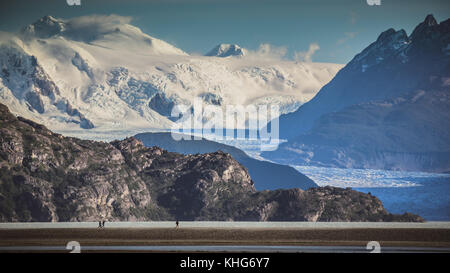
{"x": 177, "y": 224}
{"x": 101, "y": 224}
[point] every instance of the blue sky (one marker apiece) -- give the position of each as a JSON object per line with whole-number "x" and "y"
{"x": 341, "y": 28}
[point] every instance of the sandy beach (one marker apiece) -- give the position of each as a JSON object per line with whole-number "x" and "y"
{"x": 393, "y": 237}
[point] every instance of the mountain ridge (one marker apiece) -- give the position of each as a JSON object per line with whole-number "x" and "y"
{"x": 266, "y": 175}
{"x": 112, "y": 72}
{"x": 386, "y": 109}
{"x": 48, "y": 177}
{"x": 361, "y": 80}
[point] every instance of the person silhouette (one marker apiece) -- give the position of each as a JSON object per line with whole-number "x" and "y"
{"x": 99, "y": 224}
{"x": 103, "y": 223}
{"x": 177, "y": 224}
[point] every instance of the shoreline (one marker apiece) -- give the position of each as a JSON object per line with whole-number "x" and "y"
{"x": 392, "y": 237}
{"x": 229, "y": 225}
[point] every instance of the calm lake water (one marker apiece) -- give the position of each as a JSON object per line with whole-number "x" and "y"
{"x": 425, "y": 194}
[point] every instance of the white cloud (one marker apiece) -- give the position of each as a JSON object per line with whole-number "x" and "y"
{"x": 267, "y": 52}
{"x": 86, "y": 28}
{"x": 306, "y": 56}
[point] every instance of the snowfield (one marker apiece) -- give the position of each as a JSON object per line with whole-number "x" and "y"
{"x": 100, "y": 73}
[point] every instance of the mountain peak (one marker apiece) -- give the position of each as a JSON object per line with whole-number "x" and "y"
{"x": 428, "y": 36}
{"x": 430, "y": 21}
{"x": 387, "y": 44}
{"x": 392, "y": 35}
{"x": 48, "y": 19}
{"x": 226, "y": 50}
{"x": 385, "y": 34}
{"x": 424, "y": 28}
{"x": 45, "y": 27}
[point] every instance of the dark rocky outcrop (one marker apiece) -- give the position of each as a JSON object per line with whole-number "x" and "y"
{"x": 226, "y": 50}
{"x": 161, "y": 104}
{"x": 266, "y": 175}
{"x": 45, "y": 176}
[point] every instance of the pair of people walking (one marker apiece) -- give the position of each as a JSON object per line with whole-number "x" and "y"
{"x": 101, "y": 224}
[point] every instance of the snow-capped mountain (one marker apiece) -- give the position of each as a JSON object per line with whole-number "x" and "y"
{"x": 111, "y": 32}
{"x": 387, "y": 109}
{"x": 227, "y": 50}
{"x": 101, "y": 73}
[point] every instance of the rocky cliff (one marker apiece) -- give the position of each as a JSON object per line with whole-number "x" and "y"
{"x": 265, "y": 174}
{"x": 45, "y": 176}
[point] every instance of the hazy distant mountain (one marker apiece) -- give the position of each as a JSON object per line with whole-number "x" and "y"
{"x": 410, "y": 133}
{"x": 266, "y": 175}
{"x": 48, "y": 177}
{"x": 227, "y": 50}
{"x": 394, "y": 65}
{"x": 387, "y": 109}
{"x": 99, "y": 72}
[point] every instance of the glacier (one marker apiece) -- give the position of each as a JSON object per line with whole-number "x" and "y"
{"x": 109, "y": 76}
